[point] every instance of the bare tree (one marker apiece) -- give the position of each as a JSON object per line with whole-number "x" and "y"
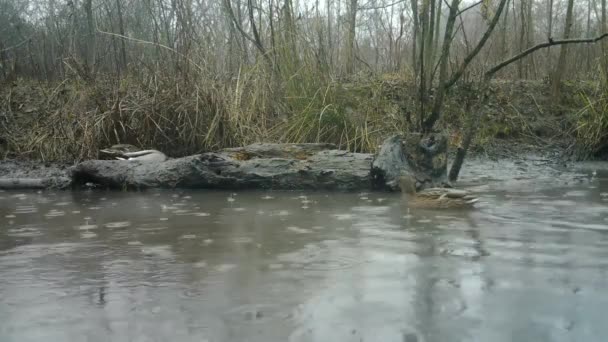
{"x": 561, "y": 63}
{"x": 350, "y": 42}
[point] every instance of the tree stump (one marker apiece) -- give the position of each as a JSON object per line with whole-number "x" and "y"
{"x": 424, "y": 156}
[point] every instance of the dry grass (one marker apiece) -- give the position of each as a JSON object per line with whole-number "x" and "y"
{"x": 72, "y": 120}
{"x": 591, "y": 128}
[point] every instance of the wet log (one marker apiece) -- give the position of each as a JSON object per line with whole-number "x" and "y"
{"x": 22, "y": 183}
{"x": 425, "y": 156}
{"x": 258, "y": 166}
{"x": 29, "y": 174}
{"x": 33, "y": 183}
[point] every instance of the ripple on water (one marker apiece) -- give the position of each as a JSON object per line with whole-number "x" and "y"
{"x": 255, "y": 313}
{"x": 117, "y": 225}
{"x": 86, "y": 227}
{"x": 160, "y": 251}
{"x": 372, "y": 209}
{"x": 26, "y": 209}
{"x": 54, "y": 213}
{"x": 243, "y": 239}
{"x": 460, "y": 251}
{"x": 343, "y": 217}
{"x": 222, "y": 268}
{"x": 344, "y": 329}
{"x": 576, "y": 193}
{"x": 88, "y": 235}
{"x": 298, "y": 230}
{"x": 151, "y": 228}
{"x": 199, "y": 264}
{"x": 319, "y": 257}
{"x": 194, "y": 291}
{"x": 25, "y": 231}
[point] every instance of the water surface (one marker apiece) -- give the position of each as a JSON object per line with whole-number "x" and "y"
{"x": 529, "y": 264}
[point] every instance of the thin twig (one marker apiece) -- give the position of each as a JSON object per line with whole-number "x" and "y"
{"x": 152, "y": 43}
{"x": 16, "y": 45}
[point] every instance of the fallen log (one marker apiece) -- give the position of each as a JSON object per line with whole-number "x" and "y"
{"x": 258, "y": 166}
{"x": 22, "y": 183}
{"x": 33, "y": 183}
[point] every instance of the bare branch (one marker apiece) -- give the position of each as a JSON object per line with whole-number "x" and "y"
{"x": 488, "y": 74}
{"x": 16, "y": 45}
{"x": 363, "y": 8}
{"x": 469, "y": 58}
{"x": 152, "y": 43}
{"x": 255, "y": 40}
{"x": 478, "y": 113}
{"x": 470, "y": 7}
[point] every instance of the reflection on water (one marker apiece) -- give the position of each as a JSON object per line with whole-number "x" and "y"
{"x": 530, "y": 264}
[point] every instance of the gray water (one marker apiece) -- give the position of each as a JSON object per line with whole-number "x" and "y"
{"x": 530, "y": 263}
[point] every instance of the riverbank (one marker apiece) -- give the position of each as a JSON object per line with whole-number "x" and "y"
{"x": 48, "y": 130}
{"x": 71, "y": 121}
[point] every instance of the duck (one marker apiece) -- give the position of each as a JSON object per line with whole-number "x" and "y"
{"x": 435, "y": 198}
{"x": 129, "y": 152}
{"x": 145, "y": 155}
{"x": 116, "y": 151}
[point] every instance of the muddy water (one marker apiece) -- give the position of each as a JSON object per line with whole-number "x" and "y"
{"x": 529, "y": 264}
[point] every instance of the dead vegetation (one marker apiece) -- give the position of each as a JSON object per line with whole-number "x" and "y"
{"x": 72, "y": 120}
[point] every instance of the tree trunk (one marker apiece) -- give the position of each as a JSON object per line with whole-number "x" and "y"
{"x": 415, "y": 37}
{"x": 443, "y": 68}
{"x": 350, "y": 44}
{"x": 437, "y": 25}
{"x": 425, "y": 31}
{"x": 329, "y": 37}
{"x": 561, "y": 63}
{"x": 505, "y": 29}
{"x": 604, "y": 46}
{"x": 549, "y": 35}
{"x": 530, "y": 37}
{"x": 121, "y": 30}
{"x": 521, "y": 72}
{"x": 290, "y": 31}
{"x": 239, "y": 13}
{"x": 90, "y": 39}
{"x": 429, "y": 59}
{"x": 445, "y": 84}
